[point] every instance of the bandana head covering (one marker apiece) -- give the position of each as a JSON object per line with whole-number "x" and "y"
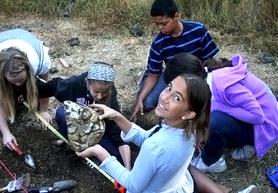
{"x": 101, "y": 71}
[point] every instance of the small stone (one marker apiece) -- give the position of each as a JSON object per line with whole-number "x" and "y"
{"x": 53, "y": 70}
{"x": 73, "y": 42}
{"x": 266, "y": 58}
{"x": 67, "y": 53}
{"x": 137, "y": 30}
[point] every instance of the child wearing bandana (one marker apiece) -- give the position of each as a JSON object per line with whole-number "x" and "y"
{"x": 94, "y": 86}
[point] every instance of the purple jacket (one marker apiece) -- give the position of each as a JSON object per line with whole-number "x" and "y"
{"x": 242, "y": 95}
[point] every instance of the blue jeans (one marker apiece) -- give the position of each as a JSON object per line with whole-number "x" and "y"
{"x": 105, "y": 142}
{"x": 225, "y": 131}
{"x": 151, "y": 100}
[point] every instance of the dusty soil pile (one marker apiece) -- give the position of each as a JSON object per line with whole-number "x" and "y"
{"x": 129, "y": 55}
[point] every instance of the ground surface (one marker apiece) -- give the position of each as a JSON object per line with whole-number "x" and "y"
{"x": 129, "y": 55}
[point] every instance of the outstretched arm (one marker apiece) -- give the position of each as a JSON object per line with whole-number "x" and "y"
{"x": 8, "y": 139}
{"x": 44, "y": 102}
{"x": 149, "y": 83}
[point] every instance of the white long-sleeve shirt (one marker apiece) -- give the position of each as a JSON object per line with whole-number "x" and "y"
{"x": 161, "y": 165}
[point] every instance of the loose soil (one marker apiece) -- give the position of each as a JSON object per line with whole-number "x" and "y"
{"x": 129, "y": 55}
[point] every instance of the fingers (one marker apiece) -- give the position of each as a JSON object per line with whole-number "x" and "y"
{"x": 14, "y": 142}
{"x": 103, "y": 116}
{"x": 86, "y": 153}
{"x": 137, "y": 109}
{"x": 98, "y": 110}
{"x": 134, "y": 119}
{"x": 11, "y": 144}
{"x": 47, "y": 117}
{"x": 99, "y": 106}
{"x": 109, "y": 114}
{"x": 133, "y": 115}
{"x": 80, "y": 154}
{"x": 141, "y": 110}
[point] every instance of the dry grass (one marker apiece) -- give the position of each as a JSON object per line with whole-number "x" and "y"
{"x": 129, "y": 55}
{"x": 247, "y": 20}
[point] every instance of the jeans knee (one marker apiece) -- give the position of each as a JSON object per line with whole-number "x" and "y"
{"x": 149, "y": 104}
{"x": 218, "y": 121}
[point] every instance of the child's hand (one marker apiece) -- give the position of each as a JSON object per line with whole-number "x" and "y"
{"x": 107, "y": 112}
{"x": 46, "y": 116}
{"x": 138, "y": 107}
{"x": 9, "y": 140}
{"x": 96, "y": 151}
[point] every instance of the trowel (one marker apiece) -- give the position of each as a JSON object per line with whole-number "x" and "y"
{"x": 18, "y": 184}
{"x": 28, "y": 159}
{"x": 57, "y": 187}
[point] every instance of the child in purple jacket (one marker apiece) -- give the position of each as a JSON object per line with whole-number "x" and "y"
{"x": 244, "y": 113}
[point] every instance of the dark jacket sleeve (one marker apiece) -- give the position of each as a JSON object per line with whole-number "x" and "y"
{"x": 64, "y": 89}
{"x": 112, "y": 129}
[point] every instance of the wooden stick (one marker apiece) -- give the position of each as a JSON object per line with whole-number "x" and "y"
{"x": 63, "y": 62}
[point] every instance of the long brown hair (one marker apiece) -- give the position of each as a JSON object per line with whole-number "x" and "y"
{"x": 199, "y": 101}
{"x": 13, "y": 61}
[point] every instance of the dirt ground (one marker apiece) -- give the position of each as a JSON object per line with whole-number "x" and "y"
{"x": 129, "y": 55}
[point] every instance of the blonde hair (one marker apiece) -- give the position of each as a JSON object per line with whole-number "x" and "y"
{"x": 12, "y": 62}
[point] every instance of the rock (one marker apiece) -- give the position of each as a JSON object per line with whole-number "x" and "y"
{"x": 53, "y": 70}
{"x": 266, "y": 58}
{"x": 73, "y": 42}
{"x": 137, "y": 30}
{"x": 66, "y": 14}
{"x": 68, "y": 9}
{"x": 67, "y": 53}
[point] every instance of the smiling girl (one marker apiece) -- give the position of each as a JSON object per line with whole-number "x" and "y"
{"x": 167, "y": 149}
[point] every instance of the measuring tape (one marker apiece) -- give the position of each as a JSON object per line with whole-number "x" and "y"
{"x": 117, "y": 186}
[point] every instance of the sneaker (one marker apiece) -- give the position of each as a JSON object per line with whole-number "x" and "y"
{"x": 244, "y": 153}
{"x": 218, "y": 166}
{"x": 250, "y": 189}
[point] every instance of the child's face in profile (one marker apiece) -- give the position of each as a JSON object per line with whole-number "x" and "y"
{"x": 99, "y": 91}
{"x": 166, "y": 25}
{"x": 173, "y": 104}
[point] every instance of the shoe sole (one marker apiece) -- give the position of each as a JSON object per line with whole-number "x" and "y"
{"x": 250, "y": 189}
{"x": 219, "y": 170}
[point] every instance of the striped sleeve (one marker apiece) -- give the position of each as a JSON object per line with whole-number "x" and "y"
{"x": 155, "y": 59}
{"x": 208, "y": 46}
